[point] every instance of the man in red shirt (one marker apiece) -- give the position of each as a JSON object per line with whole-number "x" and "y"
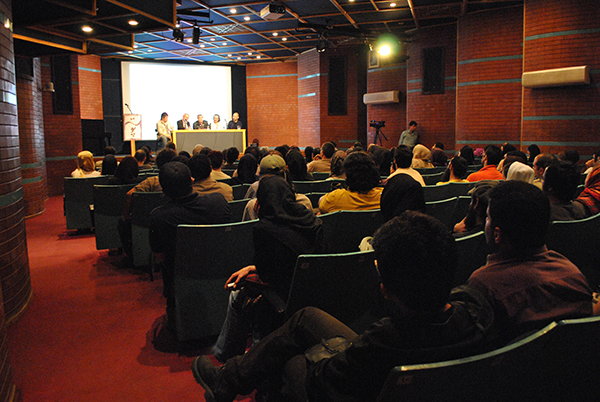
{"x": 492, "y": 155}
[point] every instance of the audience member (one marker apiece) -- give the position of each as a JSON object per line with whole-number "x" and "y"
{"x": 152, "y": 184}
{"x": 401, "y": 193}
{"x": 438, "y": 145}
{"x": 402, "y": 161}
{"x": 324, "y": 163}
{"x": 308, "y": 154}
{"x": 184, "y": 206}
{"x": 109, "y": 165}
{"x": 362, "y": 178}
{"x": 540, "y": 163}
{"x": 570, "y": 155}
{"x": 141, "y": 158}
{"x": 527, "y": 285}
{"x": 181, "y": 158}
{"x": 416, "y": 259}
{"x": 337, "y": 166}
{"x": 200, "y": 167}
{"x": 246, "y": 170}
{"x": 197, "y": 149}
{"x": 467, "y": 153}
{"x": 107, "y": 151}
{"x": 506, "y": 148}
{"x": 285, "y": 230}
{"x": 283, "y": 150}
{"x": 534, "y": 151}
{"x": 85, "y": 165}
{"x": 438, "y": 157}
{"x": 492, "y": 155}
{"x": 216, "y": 162}
{"x": 456, "y": 172}
{"x": 126, "y": 173}
{"x": 593, "y": 162}
{"x": 382, "y": 157}
{"x": 184, "y": 153}
{"x": 421, "y": 157}
{"x": 560, "y": 184}
{"x": 297, "y": 166}
{"x": 231, "y": 157}
{"x": 474, "y": 221}
{"x": 509, "y": 158}
{"x": 590, "y": 196}
{"x": 149, "y": 158}
{"x": 519, "y": 171}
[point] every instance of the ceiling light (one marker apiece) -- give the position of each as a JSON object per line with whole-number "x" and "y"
{"x": 149, "y": 50}
{"x": 178, "y": 25}
{"x": 392, "y": 4}
{"x": 351, "y": 1}
{"x": 275, "y": 34}
{"x": 130, "y": 51}
{"x": 87, "y": 28}
{"x": 202, "y": 45}
{"x": 229, "y": 55}
{"x": 387, "y": 44}
{"x": 224, "y": 43}
{"x": 232, "y": 10}
{"x": 189, "y": 40}
{"x": 133, "y": 23}
{"x": 195, "y": 35}
{"x": 239, "y": 58}
{"x": 246, "y": 18}
{"x": 284, "y": 39}
{"x": 258, "y": 57}
{"x": 322, "y": 44}
{"x": 249, "y": 53}
{"x": 212, "y": 39}
{"x": 135, "y": 46}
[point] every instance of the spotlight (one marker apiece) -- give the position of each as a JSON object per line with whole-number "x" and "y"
{"x": 322, "y": 44}
{"x": 387, "y": 44}
{"x": 178, "y": 35}
{"x": 195, "y": 35}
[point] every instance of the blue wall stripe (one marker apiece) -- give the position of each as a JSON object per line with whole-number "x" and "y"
{"x": 372, "y": 70}
{"x": 450, "y": 88}
{"x": 483, "y": 60}
{"x": 61, "y": 158}
{"x": 563, "y": 33}
{"x": 451, "y": 77}
{"x": 307, "y": 95}
{"x": 487, "y": 142}
{"x": 412, "y": 91}
{"x": 490, "y": 82}
{"x": 347, "y": 141}
{"x": 311, "y": 76}
{"x": 575, "y": 117}
{"x": 272, "y": 76}
{"x": 32, "y": 180}
{"x": 11, "y": 198}
{"x": 90, "y": 69}
{"x": 563, "y": 143}
{"x": 32, "y": 165}
{"x": 414, "y": 81}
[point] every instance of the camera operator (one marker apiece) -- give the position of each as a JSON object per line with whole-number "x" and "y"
{"x": 409, "y": 137}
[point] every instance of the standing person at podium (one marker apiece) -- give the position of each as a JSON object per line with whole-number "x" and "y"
{"x": 235, "y": 123}
{"x": 184, "y": 123}
{"x": 200, "y": 124}
{"x": 164, "y": 130}
{"x": 216, "y": 123}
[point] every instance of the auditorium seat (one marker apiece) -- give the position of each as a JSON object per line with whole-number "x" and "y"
{"x": 472, "y": 255}
{"x": 141, "y": 206}
{"x": 78, "y": 199}
{"x": 314, "y": 198}
{"x": 431, "y": 170}
{"x": 306, "y": 187}
{"x": 239, "y": 190}
{"x": 344, "y": 230}
{"x": 237, "y": 209}
{"x": 206, "y": 256}
{"x": 557, "y": 363}
{"x": 108, "y": 208}
{"x": 579, "y": 242}
{"x": 432, "y": 179}
{"x": 443, "y": 210}
{"x": 445, "y": 191}
{"x": 343, "y": 285}
{"x": 320, "y": 175}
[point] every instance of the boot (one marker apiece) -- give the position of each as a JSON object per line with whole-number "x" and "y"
{"x": 210, "y": 378}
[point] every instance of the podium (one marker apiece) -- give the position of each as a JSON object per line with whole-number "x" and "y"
{"x": 132, "y": 129}
{"x": 218, "y": 140}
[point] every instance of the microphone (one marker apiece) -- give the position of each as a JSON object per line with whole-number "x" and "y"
{"x": 129, "y": 108}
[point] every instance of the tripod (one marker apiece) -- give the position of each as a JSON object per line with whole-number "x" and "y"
{"x": 378, "y": 135}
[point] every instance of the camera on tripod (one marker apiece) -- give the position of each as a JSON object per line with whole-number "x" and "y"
{"x": 377, "y": 124}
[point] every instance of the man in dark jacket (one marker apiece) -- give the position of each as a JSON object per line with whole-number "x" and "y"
{"x": 416, "y": 259}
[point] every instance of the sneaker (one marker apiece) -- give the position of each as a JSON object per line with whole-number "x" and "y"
{"x": 207, "y": 375}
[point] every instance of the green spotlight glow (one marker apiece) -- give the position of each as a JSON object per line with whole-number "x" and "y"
{"x": 387, "y": 44}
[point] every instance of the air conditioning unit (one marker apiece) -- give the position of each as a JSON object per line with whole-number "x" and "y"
{"x": 272, "y": 12}
{"x": 556, "y": 77}
{"x": 376, "y": 98}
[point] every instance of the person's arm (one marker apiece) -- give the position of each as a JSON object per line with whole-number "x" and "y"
{"x": 236, "y": 277}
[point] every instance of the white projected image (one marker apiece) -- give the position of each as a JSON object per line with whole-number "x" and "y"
{"x": 152, "y": 88}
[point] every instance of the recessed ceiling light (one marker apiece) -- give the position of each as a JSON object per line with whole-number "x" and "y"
{"x": 130, "y": 51}
{"x": 86, "y": 28}
{"x": 135, "y": 46}
{"x": 392, "y": 4}
{"x": 246, "y": 18}
{"x": 202, "y": 45}
{"x": 232, "y": 10}
{"x": 212, "y": 39}
{"x": 149, "y": 50}
{"x": 133, "y": 22}
{"x": 258, "y": 57}
{"x": 284, "y": 39}
{"x": 239, "y": 58}
{"x": 249, "y": 53}
{"x": 275, "y": 34}
{"x": 308, "y": 37}
{"x": 351, "y": 1}
{"x": 189, "y": 40}
{"x": 229, "y": 55}
{"x": 178, "y": 25}
{"x": 224, "y": 43}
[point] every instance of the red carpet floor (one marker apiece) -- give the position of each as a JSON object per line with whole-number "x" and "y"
{"x": 87, "y": 333}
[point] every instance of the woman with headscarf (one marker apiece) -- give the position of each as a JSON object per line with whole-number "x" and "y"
{"x": 590, "y": 196}
{"x": 439, "y": 158}
{"x": 401, "y": 193}
{"x": 85, "y": 165}
{"x": 246, "y": 170}
{"x": 297, "y": 166}
{"x": 285, "y": 230}
{"x": 109, "y": 165}
{"x": 519, "y": 171}
{"x": 421, "y": 157}
{"x": 534, "y": 151}
{"x": 467, "y": 153}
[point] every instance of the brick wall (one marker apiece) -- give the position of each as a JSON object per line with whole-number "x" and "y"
{"x": 31, "y": 142}
{"x": 562, "y": 34}
{"x": 90, "y": 87}
{"x": 272, "y": 91}
{"x": 62, "y": 133}
{"x": 309, "y": 99}
{"x": 15, "y": 283}
{"x": 490, "y": 58}
{"x": 436, "y": 113}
